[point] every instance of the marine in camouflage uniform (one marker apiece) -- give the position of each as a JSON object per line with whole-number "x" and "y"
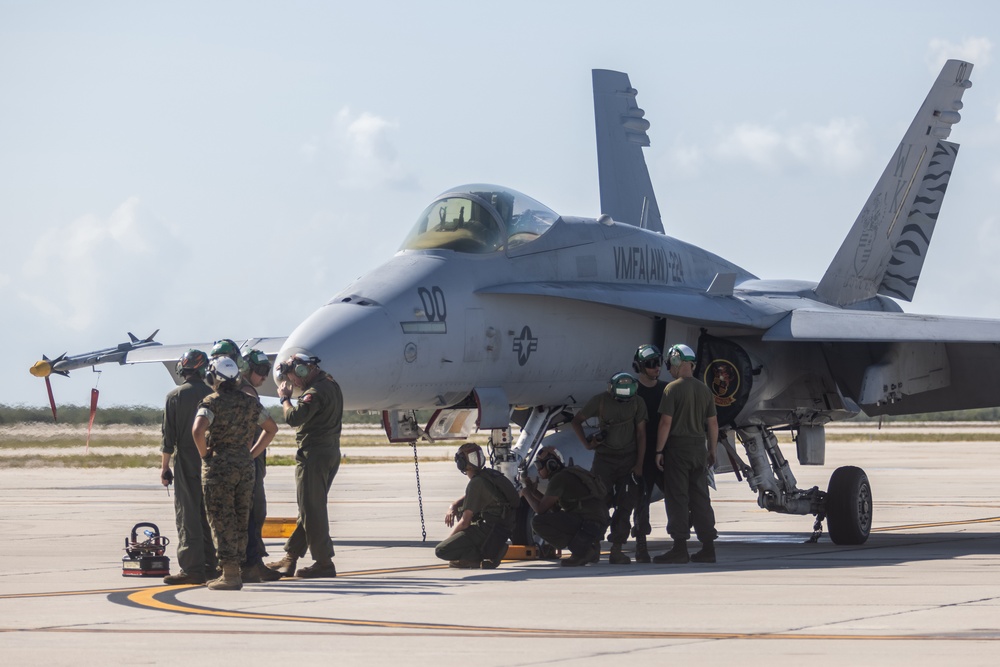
{"x": 228, "y": 470}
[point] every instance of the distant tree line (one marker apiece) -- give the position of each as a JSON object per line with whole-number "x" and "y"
{"x": 144, "y": 415}
{"x": 131, "y": 415}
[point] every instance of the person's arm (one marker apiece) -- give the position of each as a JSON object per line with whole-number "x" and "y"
{"x": 166, "y": 476}
{"x": 463, "y": 523}
{"x": 577, "y": 425}
{"x": 662, "y": 433}
{"x": 712, "y": 425}
{"x": 198, "y": 432}
{"x": 539, "y": 503}
{"x": 268, "y": 430}
{"x": 452, "y": 513}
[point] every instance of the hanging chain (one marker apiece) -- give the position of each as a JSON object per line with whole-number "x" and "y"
{"x": 817, "y": 529}
{"x": 420, "y": 498}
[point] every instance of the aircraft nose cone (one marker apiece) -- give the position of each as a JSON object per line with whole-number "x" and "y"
{"x": 358, "y": 345}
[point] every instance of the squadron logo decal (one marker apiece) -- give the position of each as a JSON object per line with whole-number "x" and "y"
{"x": 724, "y": 380}
{"x": 524, "y": 345}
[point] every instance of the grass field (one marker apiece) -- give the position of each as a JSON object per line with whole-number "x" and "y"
{"x": 124, "y": 446}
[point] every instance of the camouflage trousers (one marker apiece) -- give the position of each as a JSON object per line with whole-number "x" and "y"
{"x": 228, "y": 484}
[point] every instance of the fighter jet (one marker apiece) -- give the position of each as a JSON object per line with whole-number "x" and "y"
{"x": 497, "y": 308}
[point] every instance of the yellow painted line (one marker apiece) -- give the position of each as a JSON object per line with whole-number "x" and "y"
{"x": 53, "y": 594}
{"x": 940, "y": 524}
{"x": 147, "y": 598}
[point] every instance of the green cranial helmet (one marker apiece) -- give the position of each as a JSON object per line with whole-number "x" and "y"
{"x": 228, "y": 348}
{"x": 680, "y": 353}
{"x": 647, "y": 356}
{"x": 225, "y": 348}
{"x": 623, "y": 386}
{"x": 257, "y": 362}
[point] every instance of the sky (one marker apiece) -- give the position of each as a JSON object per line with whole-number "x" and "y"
{"x": 222, "y": 169}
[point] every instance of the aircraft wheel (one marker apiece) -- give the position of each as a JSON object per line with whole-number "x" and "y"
{"x": 523, "y": 534}
{"x": 849, "y": 506}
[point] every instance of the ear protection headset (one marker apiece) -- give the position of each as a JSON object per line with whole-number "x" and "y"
{"x": 553, "y": 461}
{"x": 552, "y": 464}
{"x": 301, "y": 365}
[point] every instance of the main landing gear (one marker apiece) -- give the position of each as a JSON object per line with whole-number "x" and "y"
{"x": 846, "y": 504}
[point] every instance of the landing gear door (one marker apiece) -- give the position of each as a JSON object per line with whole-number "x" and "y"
{"x": 401, "y": 425}
{"x": 452, "y": 424}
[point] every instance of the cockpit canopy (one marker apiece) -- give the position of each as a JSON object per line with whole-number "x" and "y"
{"x": 479, "y": 219}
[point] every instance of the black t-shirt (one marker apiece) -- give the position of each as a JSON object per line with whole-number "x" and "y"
{"x": 651, "y": 396}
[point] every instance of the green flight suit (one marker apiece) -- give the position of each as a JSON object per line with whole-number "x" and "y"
{"x": 317, "y": 419}
{"x": 493, "y": 502}
{"x": 579, "y": 509}
{"x": 195, "y": 549}
{"x": 615, "y": 458}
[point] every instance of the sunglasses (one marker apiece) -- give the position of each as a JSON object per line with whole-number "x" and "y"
{"x": 652, "y": 363}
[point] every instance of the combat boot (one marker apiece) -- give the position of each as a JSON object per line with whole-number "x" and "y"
{"x": 706, "y": 555}
{"x": 321, "y": 569}
{"x": 258, "y": 573}
{"x": 617, "y": 557}
{"x": 285, "y": 567}
{"x": 676, "y": 556}
{"x": 230, "y": 579}
{"x": 641, "y": 550}
{"x": 493, "y": 563}
{"x": 183, "y": 577}
{"x": 461, "y": 564}
{"x": 589, "y": 555}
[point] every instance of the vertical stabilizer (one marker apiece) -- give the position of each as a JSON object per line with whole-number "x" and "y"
{"x": 626, "y": 191}
{"x": 884, "y": 251}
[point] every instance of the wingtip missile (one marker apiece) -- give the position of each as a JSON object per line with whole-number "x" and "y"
{"x": 41, "y": 369}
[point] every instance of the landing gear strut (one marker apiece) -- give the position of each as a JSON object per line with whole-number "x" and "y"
{"x": 847, "y": 503}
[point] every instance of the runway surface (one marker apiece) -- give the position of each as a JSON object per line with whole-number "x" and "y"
{"x": 924, "y": 589}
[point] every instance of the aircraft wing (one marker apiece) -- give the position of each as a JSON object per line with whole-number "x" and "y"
{"x": 687, "y": 305}
{"x": 169, "y": 354}
{"x": 868, "y": 327}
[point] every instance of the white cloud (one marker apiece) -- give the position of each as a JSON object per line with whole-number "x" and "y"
{"x": 835, "y": 145}
{"x": 976, "y": 50}
{"x": 361, "y": 151}
{"x": 78, "y": 273}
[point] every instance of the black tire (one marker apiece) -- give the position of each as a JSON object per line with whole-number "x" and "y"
{"x": 522, "y": 524}
{"x": 849, "y": 506}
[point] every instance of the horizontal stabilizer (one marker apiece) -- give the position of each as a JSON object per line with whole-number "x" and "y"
{"x": 869, "y": 327}
{"x": 885, "y": 249}
{"x": 626, "y": 191}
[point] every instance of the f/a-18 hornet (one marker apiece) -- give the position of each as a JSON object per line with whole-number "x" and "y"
{"x": 497, "y": 308}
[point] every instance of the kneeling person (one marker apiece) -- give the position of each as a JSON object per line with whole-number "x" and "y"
{"x": 573, "y": 512}
{"x": 483, "y": 519}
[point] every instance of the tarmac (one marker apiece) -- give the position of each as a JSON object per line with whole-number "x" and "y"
{"x": 924, "y": 589}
